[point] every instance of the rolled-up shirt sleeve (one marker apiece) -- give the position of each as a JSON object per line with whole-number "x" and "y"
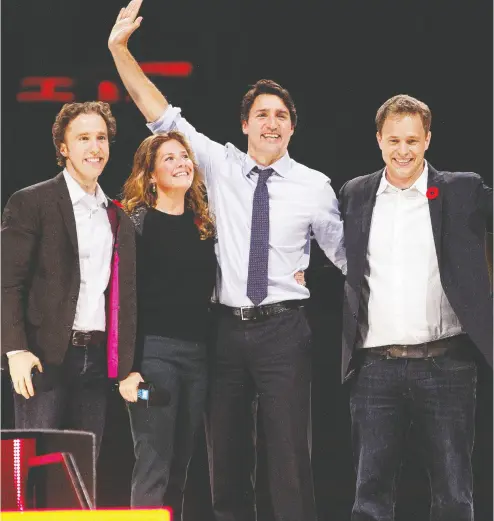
{"x": 328, "y": 227}
{"x": 166, "y": 122}
{"x": 207, "y": 151}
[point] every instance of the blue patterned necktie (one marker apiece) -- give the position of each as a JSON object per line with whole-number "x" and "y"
{"x": 257, "y": 281}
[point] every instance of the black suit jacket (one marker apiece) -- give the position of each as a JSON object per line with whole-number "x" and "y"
{"x": 461, "y": 216}
{"x": 41, "y": 274}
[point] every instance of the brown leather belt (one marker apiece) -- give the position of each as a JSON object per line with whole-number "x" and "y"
{"x": 426, "y": 350}
{"x": 87, "y": 338}
{"x": 257, "y": 312}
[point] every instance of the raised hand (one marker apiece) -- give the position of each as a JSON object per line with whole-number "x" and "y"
{"x": 127, "y": 22}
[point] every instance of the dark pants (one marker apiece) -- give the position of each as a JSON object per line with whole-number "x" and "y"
{"x": 270, "y": 357}
{"x": 437, "y": 396}
{"x": 75, "y": 395}
{"x": 164, "y": 436}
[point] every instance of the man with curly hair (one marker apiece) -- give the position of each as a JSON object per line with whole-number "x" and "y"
{"x": 68, "y": 283}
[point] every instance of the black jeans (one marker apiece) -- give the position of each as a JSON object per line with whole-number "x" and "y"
{"x": 438, "y": 396}
{"x": 269, "y": 358}
{"x": 75, "y": 395}
{"x": 164, "y": 436}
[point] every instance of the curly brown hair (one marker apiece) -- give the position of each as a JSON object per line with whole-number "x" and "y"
{"x": 70, "y": 111}
{"x": 400, "y": 105}
{"x": 137, "y": 190}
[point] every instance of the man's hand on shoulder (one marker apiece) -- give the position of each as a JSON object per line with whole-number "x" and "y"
{"x": 300, "y": 278}
{"x": 20, "y": 366}
{"x": 127, "y": 22}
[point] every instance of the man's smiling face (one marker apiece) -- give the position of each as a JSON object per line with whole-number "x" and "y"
{"x": 85, "y": 147}
{"x": 403, "y": 143}
{"x": 268, "y": 129}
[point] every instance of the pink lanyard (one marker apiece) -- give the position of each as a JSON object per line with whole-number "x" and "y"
{"x": 113, "y": 298}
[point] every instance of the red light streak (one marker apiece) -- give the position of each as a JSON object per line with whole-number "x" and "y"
{"x": 108, "y": 91}
{"x": 177, "y": 69}
{"x": 60, "y": 88}
{"x": 47, "y": 89}
{"x": 45, "y": 459}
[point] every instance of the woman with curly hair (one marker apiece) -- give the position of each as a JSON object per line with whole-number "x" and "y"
{"x": 176, "y": 266}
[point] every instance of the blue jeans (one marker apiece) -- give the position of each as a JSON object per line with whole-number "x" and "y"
{"x": 438, "y": 396}
{"x": 75, "y": 394}
{"x": 164, "y": 436}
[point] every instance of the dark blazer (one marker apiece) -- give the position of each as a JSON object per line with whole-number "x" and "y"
{"x": 461, "y": 215}
{"x": 41, "y": 274}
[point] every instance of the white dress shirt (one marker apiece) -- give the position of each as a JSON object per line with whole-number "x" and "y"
{"x": 407, "y": 304}
{"x": 95, "y": 241}
{"x": 300, "y": 199}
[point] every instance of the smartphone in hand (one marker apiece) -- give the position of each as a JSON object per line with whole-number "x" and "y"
{"x": 149, "y": 395}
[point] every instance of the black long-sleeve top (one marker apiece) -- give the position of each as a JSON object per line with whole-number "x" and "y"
{"x": 176, "y": 272}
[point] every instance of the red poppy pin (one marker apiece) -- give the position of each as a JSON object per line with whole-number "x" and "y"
{"x": 432, "y": 192}
{"x": 117, "y": 203}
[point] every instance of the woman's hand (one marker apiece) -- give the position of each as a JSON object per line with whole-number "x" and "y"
{"x": 128, "y": 387}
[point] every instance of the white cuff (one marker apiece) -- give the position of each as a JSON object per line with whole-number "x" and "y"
{"x": 12, "y": 353}
{"x": 166, "y": 121}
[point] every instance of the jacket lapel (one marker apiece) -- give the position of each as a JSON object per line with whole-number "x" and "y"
{"x": 67, "y": 210}
{"x": 368, "y": 201}
{"x": 362, "y": 209}
{"x": 435, "y": 179}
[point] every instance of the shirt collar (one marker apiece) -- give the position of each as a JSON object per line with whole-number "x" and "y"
{"x": 420, "y": 184}
{"x": 76, "y": 193}
{"x": 281, "y": 167}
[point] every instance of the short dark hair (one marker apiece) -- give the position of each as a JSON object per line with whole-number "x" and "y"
{"x": 267, "y": 87}
{"x": 403, "y": 104}
{"x": 70, "y": 111}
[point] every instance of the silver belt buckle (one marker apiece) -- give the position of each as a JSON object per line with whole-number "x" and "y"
{"x": 399, "y": 355}
{"x": 81, "y": 338}
{"x": 242, "y": 317}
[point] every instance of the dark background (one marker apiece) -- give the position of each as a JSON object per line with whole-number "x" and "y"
{"x": 340, "y": 61}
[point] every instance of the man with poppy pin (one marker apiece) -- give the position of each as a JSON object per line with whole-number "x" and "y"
{"x": 417, "y": 310}
{"x": 68, "y": 282}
